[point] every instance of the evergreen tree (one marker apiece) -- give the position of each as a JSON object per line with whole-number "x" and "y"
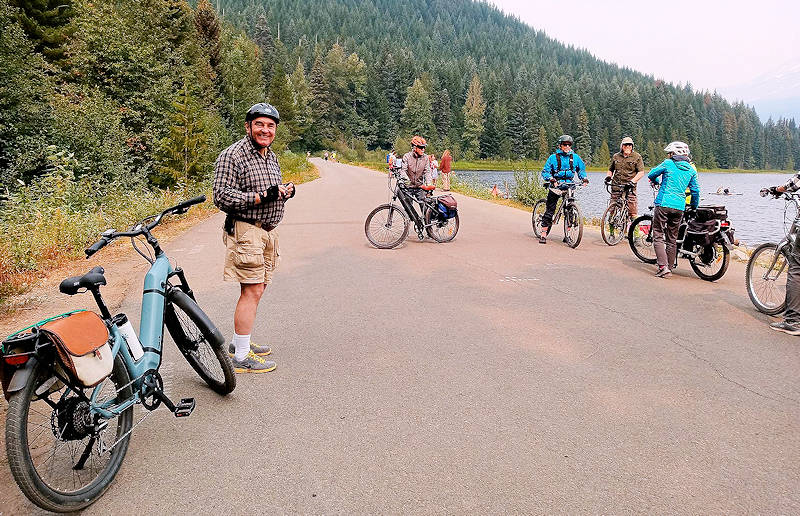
{"x": 582, "y": 138}
{"x": 303, "y": 116}
{"x": 416, "y": 116}
{"x": 602, "y": 156}
{"x": 184, "y": 152}
{"x": 441, "y": 112}
{"x": 208, "y": 29}
{"x": 474, "y": 108}
{"x": 542, "y": 144}
{"x": 46, "y": 23}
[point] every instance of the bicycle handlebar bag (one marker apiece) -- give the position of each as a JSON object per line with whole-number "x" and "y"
{"x": 82, "y": 341}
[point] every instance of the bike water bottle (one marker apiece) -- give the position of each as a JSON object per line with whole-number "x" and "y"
{"x": 126, "y": 329}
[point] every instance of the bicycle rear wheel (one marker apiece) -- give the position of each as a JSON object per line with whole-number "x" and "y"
{"x": 765, "y": 282}
{"x": 539, "y": 208}
{"x": 386, "y": 226}
{"x": 712, "y": 262}
{"x": 573, "y": 225}
{"x": 441, "y": 230}
{"x": 57, "y": 462}
{"x": 200, "y": 342}
{"x": 612, "y": 224}
{"x": 640, "y": 238}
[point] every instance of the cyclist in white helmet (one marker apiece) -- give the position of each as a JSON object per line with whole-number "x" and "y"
{"x": 674, "y": 174}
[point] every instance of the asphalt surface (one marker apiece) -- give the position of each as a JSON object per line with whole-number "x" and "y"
{"x": 491, "y": 374}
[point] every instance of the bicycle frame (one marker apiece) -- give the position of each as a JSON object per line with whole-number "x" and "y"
{"x": 407, "y": 202}
{"x": 151, "y": 333}
{"x": 567, "y": 197}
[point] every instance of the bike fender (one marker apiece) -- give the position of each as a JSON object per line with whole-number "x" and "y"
{"x": 19, "y": 378}
{"x": 726, "y": 239}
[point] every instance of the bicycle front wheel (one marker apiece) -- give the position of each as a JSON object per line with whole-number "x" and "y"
{"x": 441, "y": 230}
{"x": 539, "y": 208}
{"x": 386, "y": 226}
{"x": 765, "y": 279}
{"x": 59, "y": 458}
{"x": 612, "y": 224}
{"x": 640, "y": 238}
{"x": 200, "y": 342}
{"x": 573, "y": 225}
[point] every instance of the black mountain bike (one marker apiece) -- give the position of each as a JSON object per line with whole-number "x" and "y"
{"x": 616, "y": 218}
{"x": 573, "y": 220}
{"x": 387, "y": 225}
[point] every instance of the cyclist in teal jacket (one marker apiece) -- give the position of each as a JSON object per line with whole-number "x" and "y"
{"x": 674, "y": 174}
{"x": 562, "y": 166}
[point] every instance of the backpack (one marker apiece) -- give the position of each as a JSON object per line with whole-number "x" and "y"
{"x": 571, "y": 164}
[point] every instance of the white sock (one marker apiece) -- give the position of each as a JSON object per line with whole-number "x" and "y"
{"x": 242, "y": 345}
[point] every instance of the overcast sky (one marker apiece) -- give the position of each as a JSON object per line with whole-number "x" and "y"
{"x": 745, "y": 50}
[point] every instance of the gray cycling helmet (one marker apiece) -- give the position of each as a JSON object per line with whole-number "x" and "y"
{"x": 262, "y": 109}
{"x": 565, "y": 138}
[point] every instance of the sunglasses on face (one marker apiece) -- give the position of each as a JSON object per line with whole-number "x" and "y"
{"x": 566, "y": 144}
{"x": 627, "y": 145}
{"x": 419, "y": 146}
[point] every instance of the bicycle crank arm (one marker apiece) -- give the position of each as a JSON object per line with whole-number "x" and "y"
{"x": 183, "y": 409}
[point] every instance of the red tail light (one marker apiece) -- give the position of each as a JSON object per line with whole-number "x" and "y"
{"x": 725, "y": 224}
{"x": 16, "y": 360}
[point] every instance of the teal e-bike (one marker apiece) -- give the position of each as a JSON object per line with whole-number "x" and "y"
{"x": 66, "y": 442}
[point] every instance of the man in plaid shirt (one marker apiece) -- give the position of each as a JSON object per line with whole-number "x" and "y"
{"x": 249, "y": 188}
{"x": 791, "y": 317}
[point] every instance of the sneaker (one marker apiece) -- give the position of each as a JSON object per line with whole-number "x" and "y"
{"x": 542, "y": 239}
{"x": 253, "y": 363}
{"x": 663, "y": 272}
{"x": 258, "y": 349}
{"x": 785, "y": 327}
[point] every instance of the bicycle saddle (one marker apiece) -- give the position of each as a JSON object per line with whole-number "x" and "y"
{"x": 92, "y": 279}
{"x": 428, "y": 188}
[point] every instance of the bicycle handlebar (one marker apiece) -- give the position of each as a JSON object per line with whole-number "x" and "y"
{"x": 141, "y": 229}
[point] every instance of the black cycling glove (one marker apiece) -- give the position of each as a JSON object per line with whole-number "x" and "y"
{"x": 271, "y": 194}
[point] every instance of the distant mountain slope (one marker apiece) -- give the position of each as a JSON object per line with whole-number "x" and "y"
{"x": 534, "y": 87}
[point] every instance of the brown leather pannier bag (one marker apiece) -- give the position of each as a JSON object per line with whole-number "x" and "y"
{"x": 82, "y": 341}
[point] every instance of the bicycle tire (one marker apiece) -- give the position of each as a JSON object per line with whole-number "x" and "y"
{"x": 698, "y": 269}
{"x": 573, "y": 225}
{"x": 199, "y": 341}
{"x": 539, "y": 207}
{"x": 612, "y": 225}
{"x": 445, "y": 232}
{"x": 31, "y": 479}
{"x": 768, "y": 297}
{"x": 386, "y": 226}
{"x": 641, "y": 240}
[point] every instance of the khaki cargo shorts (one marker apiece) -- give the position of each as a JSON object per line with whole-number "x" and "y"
{"x": 251, "y": 254}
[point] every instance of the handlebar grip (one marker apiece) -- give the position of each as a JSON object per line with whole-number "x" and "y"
{"x": 190, "y": 202}
{"x": 96, "y": 247}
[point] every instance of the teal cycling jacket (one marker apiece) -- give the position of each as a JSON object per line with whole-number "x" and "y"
{"x": 678, "y": 174}
{"x": 563, "y": 173}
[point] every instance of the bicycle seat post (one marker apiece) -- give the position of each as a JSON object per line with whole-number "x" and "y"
{"x": 100, "y": 303}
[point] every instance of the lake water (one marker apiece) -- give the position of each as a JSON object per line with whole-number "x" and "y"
{"x": 756, "y": 219}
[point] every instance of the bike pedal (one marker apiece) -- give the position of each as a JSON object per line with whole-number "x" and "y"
{"x": 185, "y": 407}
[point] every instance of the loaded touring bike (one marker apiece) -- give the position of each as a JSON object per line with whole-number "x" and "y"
{"x": 768, "y": 265}
{"x": 72, "y": 380}
{"x": 387, "y": 225}
{"x": 705, "y": 239}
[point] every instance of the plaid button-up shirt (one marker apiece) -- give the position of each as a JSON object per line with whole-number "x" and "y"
{"x": 794, "y": 183}
{"x": 240, "y": 173}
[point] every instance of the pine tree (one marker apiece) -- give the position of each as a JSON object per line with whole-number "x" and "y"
{"x": 319, "y": 133}
{"x": 304, "y": 115}
{"x": 46, "y": 22}
{"x": 441, "y": 112}
{"x": 262, "y": 36}
{"x": 474, "y": 108}
{"x": 184, "y": 152}
{"x": 542, "y": 145}
{"x": 602, "y": 155}
{"x": 518, "y": 127}
{"x": 416, "y": 116}
{"x": 207, "y": 24}
{"x": 583, "y": 139}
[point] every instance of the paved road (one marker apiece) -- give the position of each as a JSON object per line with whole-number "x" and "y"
{"x": 487, "y": 375}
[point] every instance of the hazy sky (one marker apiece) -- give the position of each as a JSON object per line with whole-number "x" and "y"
{"x": 746, "y": 50}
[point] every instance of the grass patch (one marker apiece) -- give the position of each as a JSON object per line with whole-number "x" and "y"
{"x": 50, "y": 222}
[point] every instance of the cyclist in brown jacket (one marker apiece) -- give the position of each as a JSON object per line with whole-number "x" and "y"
{"x": 416, "y": 168}
{"x": 626, "y": 165}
